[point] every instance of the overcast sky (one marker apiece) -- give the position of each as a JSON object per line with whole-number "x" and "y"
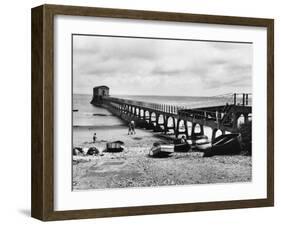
{"x": 137, "y": 66}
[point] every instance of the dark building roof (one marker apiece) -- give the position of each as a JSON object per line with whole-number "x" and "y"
{"x": 104, "y": 87}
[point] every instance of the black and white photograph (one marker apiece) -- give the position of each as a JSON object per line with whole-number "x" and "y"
{"x": 149, "y": 112}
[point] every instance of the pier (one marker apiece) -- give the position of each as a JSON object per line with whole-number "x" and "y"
{"x": 220, "y": 115}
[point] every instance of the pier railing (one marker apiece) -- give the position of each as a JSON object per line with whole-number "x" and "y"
{"x": 239, "y": 99}
{"x": 171, "y": 109}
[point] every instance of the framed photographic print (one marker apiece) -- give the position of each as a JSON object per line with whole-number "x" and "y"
{"x": 141, "y": 112}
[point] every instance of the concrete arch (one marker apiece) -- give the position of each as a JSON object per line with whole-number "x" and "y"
{"x": 241, "y": 120}
{"x": 216, "y": 132}
{"x": 181, "y": 125}
{"x": 161, "y": 119}
{"x": 189, "y": 127}
{"x": 182, "y": 128}
{"x": 136, "y": 111}
{"x": 219, "y": 133}
{"x": 153, "y": 117}
{"x": 142, "y": 116}
{"x": 197, "y": 129}
{"x": 172, "y": 122}
{"x": 146, "y": 115}
{"x": 130, "y": 109}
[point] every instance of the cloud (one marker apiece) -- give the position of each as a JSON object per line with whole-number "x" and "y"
{"x": 160, "y": 67}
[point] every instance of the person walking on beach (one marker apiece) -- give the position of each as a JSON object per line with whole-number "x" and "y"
{"x": 129, "y": 128}
{"x": 133, "y": 127}
{"x": 94, "y": 138}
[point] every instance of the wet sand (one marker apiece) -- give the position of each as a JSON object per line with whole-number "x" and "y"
{"x": 134, "y": 168}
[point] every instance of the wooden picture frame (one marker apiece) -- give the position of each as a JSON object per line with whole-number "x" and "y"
{"x": 43, "y": 112}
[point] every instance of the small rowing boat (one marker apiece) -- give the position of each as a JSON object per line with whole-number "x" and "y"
{"x": 116, "y": 146}
{"x": 181, "y": 146}
{"x": 228, "y": 144}
{"x": 161, "y": 150}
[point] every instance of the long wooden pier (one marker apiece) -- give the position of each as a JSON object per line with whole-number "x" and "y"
{"x": 175, "y": 119}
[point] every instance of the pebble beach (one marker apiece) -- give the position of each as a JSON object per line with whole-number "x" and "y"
{"x": 134, "y": 168}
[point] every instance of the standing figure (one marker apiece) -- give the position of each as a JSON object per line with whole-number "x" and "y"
{"x": 133, "y": 127}
{"x": 94, "y": 138}
{"x": 183, "y": 140}
{"x": 129, "y": 128}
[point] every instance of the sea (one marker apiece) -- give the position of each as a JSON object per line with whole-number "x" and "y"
{"x": 93, "y": 116}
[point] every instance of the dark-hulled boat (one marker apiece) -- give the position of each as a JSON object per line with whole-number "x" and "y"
{"x": 181, "y": 146}
{"x": 116, "y": 146}
{"x": 161, "y": 150}
{"x": 228, "y": 144}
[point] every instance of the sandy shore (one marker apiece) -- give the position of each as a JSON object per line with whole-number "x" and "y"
{"x": 134, "y": 168}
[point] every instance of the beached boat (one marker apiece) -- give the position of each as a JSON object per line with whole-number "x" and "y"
{"x": 228, "y": 144}
{"x": 162, "y": 150}
{"x": 196, "y": 137}
{"x": 202, "y": 141}
{"x": 77, "y": 151}
{"x": 93, "y": 151}
{"x": 181, "y": 147}
{"x": 202, "y": 144}
{"x": 116, "y": 146}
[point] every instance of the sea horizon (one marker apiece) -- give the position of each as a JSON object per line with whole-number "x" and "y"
{"x": 113, "y": 95}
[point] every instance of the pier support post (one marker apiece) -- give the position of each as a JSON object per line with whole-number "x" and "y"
{"x": 171, "y": 127}
{"x": 149, "y": 117}
{"x": 174, "y": 125}
{"x": 235, "y": 121}
{"x": 193, "y": 130}
{"x": 165, "y": 124}
{"x": 214, "y": 133}
{"x": 186, "y": 129}
{"x": 157, "y": 119}
{"x": 246, "y": 117}
{"x": 177, "y": 129}
{"x": 201, "y": 130}
{"x": 142, "y": 116}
